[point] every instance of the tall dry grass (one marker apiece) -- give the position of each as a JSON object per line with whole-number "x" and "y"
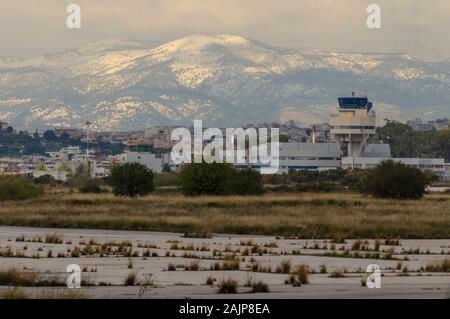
{"x": 303, "y": 215}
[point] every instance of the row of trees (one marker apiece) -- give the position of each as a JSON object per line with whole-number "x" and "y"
{"x": 14, "y": 143}
{"x": 133, "y": 179}
{"x": 388, "y": 180}
{"x": 405, "y": 142}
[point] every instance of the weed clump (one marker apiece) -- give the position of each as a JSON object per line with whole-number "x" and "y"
{"x": 228, "y": 286}
{"x": 259, "y": 287}
{"x": 130, "y": 280}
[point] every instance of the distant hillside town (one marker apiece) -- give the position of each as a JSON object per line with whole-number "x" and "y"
{"x": 350, "y": 140}
{"x": 438, "y": 124}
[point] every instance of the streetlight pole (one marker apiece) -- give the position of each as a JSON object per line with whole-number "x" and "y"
{"x": 87, "y": 147}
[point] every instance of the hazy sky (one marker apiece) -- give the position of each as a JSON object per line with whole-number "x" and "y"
{"x": 32, "y": 27}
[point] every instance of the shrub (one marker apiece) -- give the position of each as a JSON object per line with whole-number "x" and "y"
{"x": 44, "y": 179}
{"x": 193, "y": 266}
{"x": 354, "y": 179}
{"x": 131, "y": 279}
{"x": 18, "y": 188}
{"x": 210, "y": 280}
{"x": 90, "y": 186}
{"x": 247, "y": 182}
{"x": 226, "y": 265}
{"x": 336, "y": 274}
{"x": 292, "y": 280}
{"x": 320, "y": 187}
{"x": 53, "y": 239}
{"x": 171, "y": 267}
{"x": 363, "y": 280}
{"x": 219, "y": 179}
{"x": 259, "y": 287}
{"x": 13, "y": 277}
{"x": 165, "y": 179}
{"x": 228, "y": 286}
{"x": 439, "y": 266}
{"x": 302, "y": 274}
{"x": 323, "y": 269}
{"x": 395, "y": 180}
{"x": 131, "y": 179}
{"x": 285, "y": 267}
{"x": 206, "y": 179}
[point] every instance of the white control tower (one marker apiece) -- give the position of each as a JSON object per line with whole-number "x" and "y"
{"x": 353, "y": 125}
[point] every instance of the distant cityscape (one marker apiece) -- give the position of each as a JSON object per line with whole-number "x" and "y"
{"x": 421, "y": 126}
{"x": 64, "y": 151}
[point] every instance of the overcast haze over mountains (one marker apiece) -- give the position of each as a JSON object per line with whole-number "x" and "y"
{"x": 225, "y": 80}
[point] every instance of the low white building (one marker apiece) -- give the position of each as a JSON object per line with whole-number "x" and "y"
{"x": 321, "y": 156}
{"x": 436, "y": 165}
{"x": 66, "y": 153}
{"x": 446, "y": 175}
{"x": 315, "y": 156}
{"x": 153, "y": 161}
{"x": 100, "y": 169}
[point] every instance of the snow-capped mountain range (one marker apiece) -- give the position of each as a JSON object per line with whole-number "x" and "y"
{"x": 225, "y": 80}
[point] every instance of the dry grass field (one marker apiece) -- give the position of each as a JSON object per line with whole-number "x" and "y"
{"x": 304, "y": 215}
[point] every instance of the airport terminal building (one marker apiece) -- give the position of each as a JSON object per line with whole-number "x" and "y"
{"x": 352, "y": 127}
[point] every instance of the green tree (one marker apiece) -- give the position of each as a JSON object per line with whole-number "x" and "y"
{"x": 50, "y": 136}
{"x": 400, "y": 137}
{"x": 404, "y": 142}
{"x": 131, "y": 179}
{"x": 206, "y": 179}
{"x": 219, "y": 179}
{"x": 395, "y": 180}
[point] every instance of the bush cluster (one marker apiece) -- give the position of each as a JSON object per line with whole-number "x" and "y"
{"x": 44, "y": 179}
{"x": 131, "y": 179}
{"x": 219, "y": 179}
{"x": 316, "y": 181}
{"x": 18, "y": 188}
{"x": 395, "y": 180}
{"x": 90, "y": 187}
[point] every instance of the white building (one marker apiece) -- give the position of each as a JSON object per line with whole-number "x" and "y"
{"x": 100, "y": 169}
{"x": 153, "y": 161}
{"x": 321, "y": 156}
{"x": 436, "y": 165}
{"x": 316, "y": 156}
{"x": 446, "y": 175}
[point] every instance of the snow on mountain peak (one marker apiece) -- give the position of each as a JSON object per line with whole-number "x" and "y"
{"x": 223, "y": 78}
{"x": 201, "y": 42}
